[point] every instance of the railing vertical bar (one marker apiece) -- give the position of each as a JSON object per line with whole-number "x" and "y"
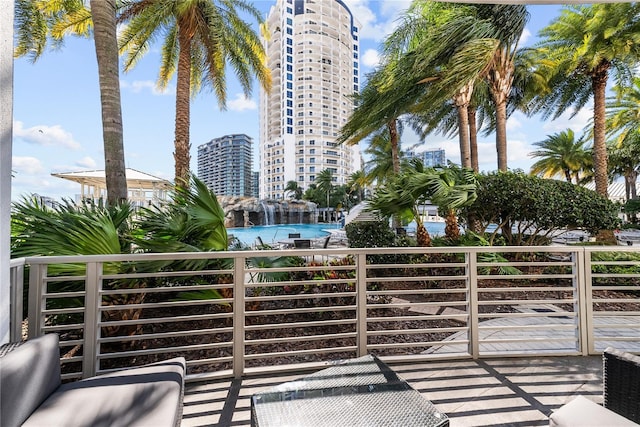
{"x": 36, "y": 300}
{"x": 472, "y": 298}
{"x": 361, "y": 304}
{"x": 238, "y": 316}
{"x": 17, "y": 308}
{"x": 93, "y": 288}
{"x": 586, "y": 293}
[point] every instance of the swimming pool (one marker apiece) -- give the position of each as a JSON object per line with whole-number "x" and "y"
{"x": 273, "y": 233}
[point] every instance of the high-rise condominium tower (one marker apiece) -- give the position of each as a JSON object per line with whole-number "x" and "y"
{"x": 313, "y": 55}
{"x": 224, "y": 164}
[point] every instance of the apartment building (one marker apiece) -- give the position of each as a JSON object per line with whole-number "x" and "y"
{"x": 431, "y": 157}
{"x": 313, "y": 54}
{"x": 225, "y": 164}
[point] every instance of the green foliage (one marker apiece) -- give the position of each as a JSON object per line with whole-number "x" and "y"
{"x": 527, "y": 209}
{"x": 370, "y": 234}
{"x": 618, "y": 257}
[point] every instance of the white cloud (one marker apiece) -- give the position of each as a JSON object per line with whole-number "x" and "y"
{"x": 242, "y": 103}
{"x": 579, "y": 123}
{"x": 524, "y": 38}
{"x": 45, "y": 135}
{"x": 27, "y": 165}
{"x": 376, "y": 26}
{"x": 513, "y": 123}
{"x": 137, "y": 86}
{"x": 371, "y": 58}
{"x": 86, "y": 162}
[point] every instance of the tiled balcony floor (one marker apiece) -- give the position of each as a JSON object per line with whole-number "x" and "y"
{"x": 492, "y": 392}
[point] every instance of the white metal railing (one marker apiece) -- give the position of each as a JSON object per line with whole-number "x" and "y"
{"x": 235, "y": 312}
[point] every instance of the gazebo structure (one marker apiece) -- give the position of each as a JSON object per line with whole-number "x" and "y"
{"x": 143, "y": 189}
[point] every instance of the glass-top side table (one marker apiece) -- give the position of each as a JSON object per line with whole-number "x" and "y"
{"x": 356, "y": 392}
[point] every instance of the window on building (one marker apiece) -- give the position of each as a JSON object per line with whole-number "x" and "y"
{"x": 289, "y": 112}
{"x": 289, "y": 59}
{"x": 290, "y": 85}
{"x": 312, "y": 178}
{"x": 289, "y": 121}
{"x": 312, "y": 168}
{"x": 312, "y": 160}
{"x": 289, "y": 130}
{"x": 289, "y": 42}
{"x": 289, "y": 94}
{"x": 289, "y": 21}
{"x": 289, "y": 50}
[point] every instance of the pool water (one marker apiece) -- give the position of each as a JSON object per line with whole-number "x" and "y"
{"x": 271, "y": 234}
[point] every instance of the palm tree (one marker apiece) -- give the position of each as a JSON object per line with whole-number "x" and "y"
{"x": 624, "y": 160}
{"x": 578, "y": 51}
{"x": 36, "y": 22}
{"x": 400, "y": 198}
{"x": 202, "y": 39}
{"x": 451, "y": 188}
{"x": 324, "y": 182}
{"x": 294, "y": 190}
{"x": 623, "y": 111}
{"x": 377, "y": 112}
{"x": 561, "y": 154}
{"x": 471, "y": 43}
{"x": 357, "y": 183}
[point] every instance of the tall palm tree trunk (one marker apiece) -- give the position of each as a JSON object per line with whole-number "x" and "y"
{"x": 183, "y": 103}
{"x": 392, "y": 125}
{"x": 500, "y": 80}
{"x": 599, "y": 84}
{"x": 103, "y": 13}
{"x": 501, "y": 133}
{"x": 461, "y": 100}
{"x": 394, "y": 138}
{"x": 473, "y": 138}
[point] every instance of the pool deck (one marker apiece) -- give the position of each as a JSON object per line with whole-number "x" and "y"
{"x": 514, "y": 392}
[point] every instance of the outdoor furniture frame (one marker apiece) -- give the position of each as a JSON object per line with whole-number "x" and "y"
{"x": 32, "y": 393}
{"x": 354, "y": 392}
{"x": 622, "y": 383}
{"x": 621, "y": 396}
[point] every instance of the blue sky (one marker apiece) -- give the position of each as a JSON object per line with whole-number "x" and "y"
{"x": 57, "y": 124}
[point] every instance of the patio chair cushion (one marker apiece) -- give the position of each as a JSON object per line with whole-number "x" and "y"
{"x": 150, "y": 395}
{"x": 582, "y": 412}
{"x": 28, "y": 374}
{"x": 31, "y": 393}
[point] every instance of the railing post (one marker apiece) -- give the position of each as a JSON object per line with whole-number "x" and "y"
{"x": 472, "y": 285}
{"x": 93, "y": 288}
{"x": 584, "y": 306}
{"x": 239, "y": 320}
{"x": 16, "y": 290}
{"x": 37, "y": 288}
{"x": 361, "y": 303}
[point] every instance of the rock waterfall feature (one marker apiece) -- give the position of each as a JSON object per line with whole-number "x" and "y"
{"x": 249, "y": 211}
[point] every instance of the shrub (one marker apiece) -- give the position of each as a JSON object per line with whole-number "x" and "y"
{"x": 527, "y": 209}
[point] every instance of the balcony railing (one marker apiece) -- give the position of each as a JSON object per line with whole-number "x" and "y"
{"x": 231, "y": 313}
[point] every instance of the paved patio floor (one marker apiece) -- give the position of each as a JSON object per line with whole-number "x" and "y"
{"x": 515, "y": 392}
